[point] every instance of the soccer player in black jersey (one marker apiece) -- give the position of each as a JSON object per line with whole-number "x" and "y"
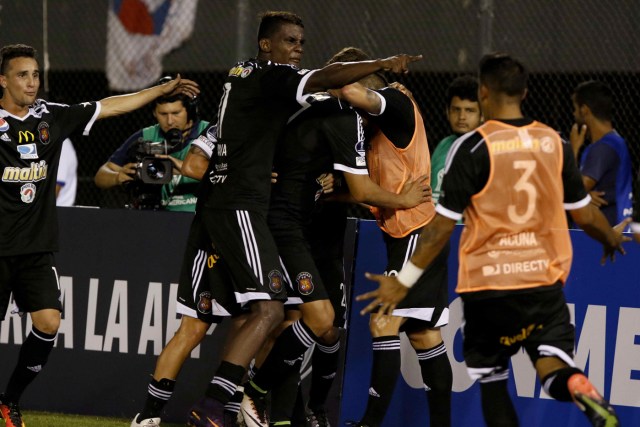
{"x": 512, "y": 178}
{"x": 259, "y": 96}
{"x": 327, "y": 136}
{"x": 31, "y": 135}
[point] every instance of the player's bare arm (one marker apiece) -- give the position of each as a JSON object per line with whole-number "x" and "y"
{"x": 366, "y": 191}
{"x": 594, "y": 223}
{"x": 195, "y": 163}
{"x": 361, "y": 97}
{"x": 121, "y": 104}
{"x": 343, "y": 73}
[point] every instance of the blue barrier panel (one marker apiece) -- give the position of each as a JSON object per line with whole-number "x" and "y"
{"x": 604, "y": 301}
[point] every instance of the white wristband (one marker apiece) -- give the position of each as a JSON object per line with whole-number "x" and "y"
{"x": 409, "y": 274}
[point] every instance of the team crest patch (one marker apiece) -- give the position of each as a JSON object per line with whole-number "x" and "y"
{"x": 275, "y": 281}
{"x": 43, "y": 132}
{"x": 246, "y": 71}
{"x": 4, "y": 125}
{"x": 28, "y": 192}
{"x": 204, "y": 303}
{"x": 305, "y": 283}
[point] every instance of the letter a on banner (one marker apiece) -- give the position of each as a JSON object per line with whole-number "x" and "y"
{"x": 139, "y": 34}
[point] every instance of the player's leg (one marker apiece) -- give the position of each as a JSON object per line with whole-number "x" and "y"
{"x": 250, "y": 257}
{"x": 306, "y": 286}
{"x": 385, "y": 368}
{"x": 326, "y": 355}
{"x": 36, "y": 290}
{"x": 199, "y": 271}
{"x": 550, "y": 347}
{"x": 487, "y": 359}
{"x": 429, "y": 312}
{"x": 436, "y": 373}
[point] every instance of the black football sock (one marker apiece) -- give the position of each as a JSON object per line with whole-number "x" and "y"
{"x": 497, "y": 408}
{"x": 233, "y": 405}
{"x": 288, "y": 348}
{"x": 324, "y": 362}
{"x": 384, "y": 375}
{"x": 555, "y": 384}
{"x": 33, "y": 356}
{"x": 438, "y": 380}
{"x": 225, "y": 381}
{"x": 158, "y": 394}
{"x": 283, "y": 396}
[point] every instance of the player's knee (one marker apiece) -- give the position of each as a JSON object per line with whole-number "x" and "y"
{"x": 320, "y": 323}
{"x": 47, "y": 322}
{"x": 382, "y": 326}
{"x": 269, "y": 312}
{"x": 192, "y": 330}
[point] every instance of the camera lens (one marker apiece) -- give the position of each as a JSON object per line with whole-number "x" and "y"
{"x": 156, "y": 170}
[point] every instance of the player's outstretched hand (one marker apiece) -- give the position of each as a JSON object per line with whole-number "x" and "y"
{"x": 386, "y": 297}
{"x": 181, "y": 86}
{"x": 610, "y": 251}
{"x": 399, "y": 63}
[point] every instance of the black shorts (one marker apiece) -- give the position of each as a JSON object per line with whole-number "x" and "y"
{"x": 303, "y": 279}
{"x": 326, "y": 237}
{"x": 204, "y": 290}
{"x": 244, "y": 241}
{"x": 496, "y": 328}
{"x": 426, "y": 304}
{"x": 33, "y": 279}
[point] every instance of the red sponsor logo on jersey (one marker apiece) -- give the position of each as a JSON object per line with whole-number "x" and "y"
{"x": 204, "y": 303}
{"x": 4, "y": 126}
{"x": 43, "y": 132}
{"x": 275, "y": 281}
{"x": 305, "y": 283}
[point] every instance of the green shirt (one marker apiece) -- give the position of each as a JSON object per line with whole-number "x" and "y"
{"x": 438, "y": 160}
{"x": 179, "y": 194}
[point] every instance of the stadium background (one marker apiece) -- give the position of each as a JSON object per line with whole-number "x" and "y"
{"x": 562, "y": 43}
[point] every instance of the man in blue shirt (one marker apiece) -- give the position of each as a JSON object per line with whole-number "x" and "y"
{"x": 605, "y": 164}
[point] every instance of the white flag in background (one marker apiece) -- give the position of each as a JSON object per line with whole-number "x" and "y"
{"x": 140, "y": 33}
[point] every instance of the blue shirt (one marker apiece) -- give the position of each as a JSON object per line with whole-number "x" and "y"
{"x": 607, "y": 162}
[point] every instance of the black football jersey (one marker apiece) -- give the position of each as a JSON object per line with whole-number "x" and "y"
{"x": 258, "y": 98}
{"x": 30, "y": 149}
{"x": 327, "y": 136}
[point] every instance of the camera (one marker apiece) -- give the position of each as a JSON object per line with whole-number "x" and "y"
{"x": 149, "y": 168}
{"x": 151, "y": 172}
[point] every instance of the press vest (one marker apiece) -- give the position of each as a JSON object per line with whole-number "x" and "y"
{"x": 179, "y": 194}
{"x": 516, "y": 233}
{"x": 391, "y": 167}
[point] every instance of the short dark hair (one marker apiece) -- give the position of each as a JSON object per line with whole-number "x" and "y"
{"x": 12, "y": 51}
{"x": 349, "y": 54}
{"x": 190, "y": 104}
{"x": 271, "y": 21}
{"x": 376, "y": 80}
{"x": 596, "y": 95}
{"x": 502, "y": 73}
{"x": 464, "y": 87}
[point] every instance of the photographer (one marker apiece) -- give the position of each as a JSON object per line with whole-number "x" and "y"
{"x": 141, "y": 164}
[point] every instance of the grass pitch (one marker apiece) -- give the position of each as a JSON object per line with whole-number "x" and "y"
{"x": 47, "y": 419}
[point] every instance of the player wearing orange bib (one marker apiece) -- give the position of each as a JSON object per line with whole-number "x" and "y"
{"x": 512, "y": 179}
